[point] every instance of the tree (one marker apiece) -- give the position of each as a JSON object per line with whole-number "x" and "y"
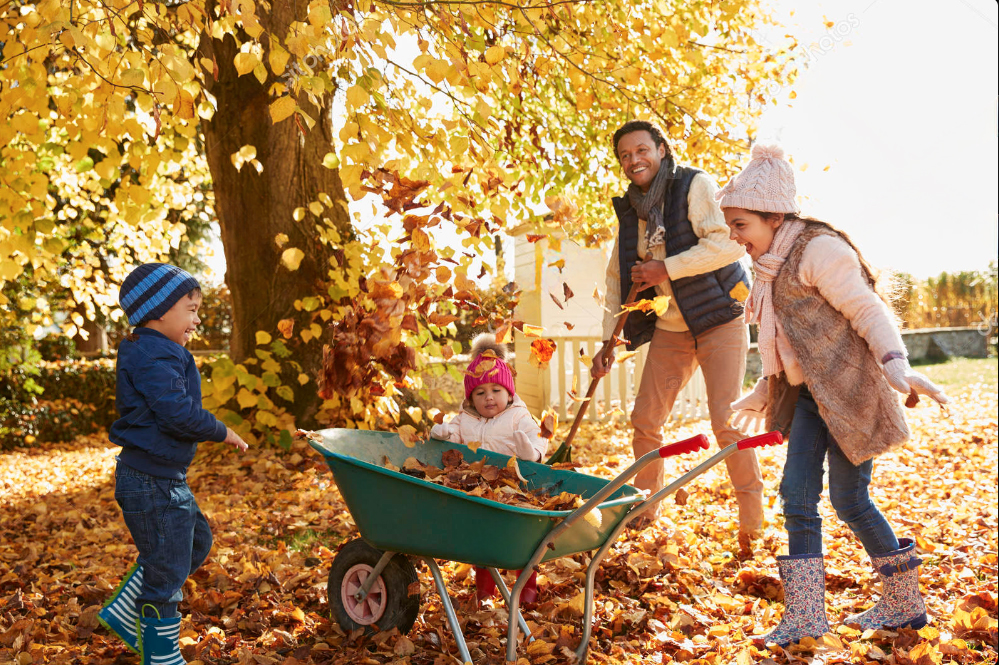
{"x": 119, "y": 114}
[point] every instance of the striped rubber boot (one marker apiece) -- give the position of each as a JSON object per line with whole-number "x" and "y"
{"x": 119, "y": 614}
{"x": 159, "y": 640}
{"x": 804, "y": 580}
{"x": 901, "y": 604}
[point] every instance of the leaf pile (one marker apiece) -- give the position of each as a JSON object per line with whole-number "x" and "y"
{"x": 675, "y": 592}
{"x": 504, "y": 485}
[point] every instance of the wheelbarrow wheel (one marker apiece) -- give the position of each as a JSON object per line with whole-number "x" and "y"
{"x": 392, "y": 602}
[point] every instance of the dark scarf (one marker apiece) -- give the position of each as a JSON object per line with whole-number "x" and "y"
{"x": 649, "y": 205}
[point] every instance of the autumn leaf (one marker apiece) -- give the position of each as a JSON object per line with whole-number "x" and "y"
{"x": 549, "y": 423}
{"x": 410, "y": 437}
{"x": 541, "y": 352}
{"x": 286, "y": 327}
{"x": 567, "y": 292}
{"x": 531, "y": 331}
{"x": 659, "y": 305}
{"x": 504, "y": 333}
{"x": 292, "y": 257}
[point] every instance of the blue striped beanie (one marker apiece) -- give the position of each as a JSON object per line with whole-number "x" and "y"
{"x": 152, "y": 289}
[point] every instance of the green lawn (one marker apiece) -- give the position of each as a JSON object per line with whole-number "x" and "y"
{"x": 960, "y": 372}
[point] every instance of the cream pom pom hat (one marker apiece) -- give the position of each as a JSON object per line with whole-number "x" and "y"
{"x": 765, "y": 185}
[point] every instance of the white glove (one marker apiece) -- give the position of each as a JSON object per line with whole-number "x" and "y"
{"x": 905, "y": 380}
{"x": 525, "y": 449}
{"x": 446, "y": 432}
{"x": 750, "y": 412}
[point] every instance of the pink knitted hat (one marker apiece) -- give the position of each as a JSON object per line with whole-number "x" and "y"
{"x": 488, "y": 366}
{"x": 765, "y": 185}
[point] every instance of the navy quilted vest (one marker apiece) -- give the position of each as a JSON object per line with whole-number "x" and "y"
{"x": 704, "y": 300}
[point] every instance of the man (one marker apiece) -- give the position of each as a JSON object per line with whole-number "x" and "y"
{"x": 672, "y": 239}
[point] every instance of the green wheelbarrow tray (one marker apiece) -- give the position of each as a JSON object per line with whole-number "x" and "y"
{"x": 396, "y": 512}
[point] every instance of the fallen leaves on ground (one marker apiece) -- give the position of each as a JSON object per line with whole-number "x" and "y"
{"x": 675, "y": 592}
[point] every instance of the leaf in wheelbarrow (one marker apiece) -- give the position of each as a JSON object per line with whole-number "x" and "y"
{"x": 410, "y": 437}
{"x": 451, "y": 457}
{"x": 308, "y": 434}
{"x": 413, "y": 467}
{"x": 512, "y": 465}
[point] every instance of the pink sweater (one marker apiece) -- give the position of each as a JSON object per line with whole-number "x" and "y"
{"x": 831, "y": 266}
{"x": 496, "y": 433}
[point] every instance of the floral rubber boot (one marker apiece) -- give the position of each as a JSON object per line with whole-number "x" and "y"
{"x": 901, "y": 604}
{"x": 804, "y": 580}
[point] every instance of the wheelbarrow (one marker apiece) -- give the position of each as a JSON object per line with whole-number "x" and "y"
{"x": 373, "y": 583}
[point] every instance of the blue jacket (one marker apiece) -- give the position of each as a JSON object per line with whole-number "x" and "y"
{"x": 705, "y": 301}
{"x": 158, "y": 396}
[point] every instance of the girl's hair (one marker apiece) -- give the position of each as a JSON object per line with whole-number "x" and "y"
{"x": 882, "y": 282}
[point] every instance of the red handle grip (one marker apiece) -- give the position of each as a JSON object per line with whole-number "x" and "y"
{"x": 699, "y": 442}
{"x": 768, "y": 439}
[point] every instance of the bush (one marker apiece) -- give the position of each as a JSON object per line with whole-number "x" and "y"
{"x": 24, "y": 423}
{"x": 56, "y": 346}
{"x": 77, "y": 398}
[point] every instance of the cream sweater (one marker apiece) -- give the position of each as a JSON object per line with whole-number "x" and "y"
{"x": 714, "y": 250}
{"x": 496, "y": 433}
{"x": 831, "y": 266}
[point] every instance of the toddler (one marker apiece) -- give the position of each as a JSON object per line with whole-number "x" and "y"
{"x": 494, "y": 417}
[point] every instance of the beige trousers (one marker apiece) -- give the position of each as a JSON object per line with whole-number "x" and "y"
{"x": 671, "y": 361}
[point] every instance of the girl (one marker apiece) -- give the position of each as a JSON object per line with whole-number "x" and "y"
{"x": 832, "y": 355}
{"x": 494, "y": 417}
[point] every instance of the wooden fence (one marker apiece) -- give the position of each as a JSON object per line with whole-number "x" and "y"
{"x": 570, "y": 366}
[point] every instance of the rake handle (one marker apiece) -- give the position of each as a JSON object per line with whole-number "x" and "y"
{"x": 605, "y": 353}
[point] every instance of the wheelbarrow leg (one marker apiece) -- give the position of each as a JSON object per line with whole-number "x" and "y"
{"x": 506, "y": 598}
{"x": 452, "y": 618}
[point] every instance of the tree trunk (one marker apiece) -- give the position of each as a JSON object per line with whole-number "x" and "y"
{"x": 253, "y": 208}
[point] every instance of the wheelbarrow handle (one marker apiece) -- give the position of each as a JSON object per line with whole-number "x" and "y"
{"x": 693, "y": 444}
{"x": 768, "y": 439}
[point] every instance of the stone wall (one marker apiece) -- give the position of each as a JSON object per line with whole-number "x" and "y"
{"x": 923, "y": 344}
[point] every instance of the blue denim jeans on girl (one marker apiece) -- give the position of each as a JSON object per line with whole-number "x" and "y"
{"x": 809, "y": 444}
{"x": 169, "y": 530}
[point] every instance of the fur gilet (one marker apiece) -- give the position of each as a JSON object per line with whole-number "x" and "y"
{"x": 859, "y": 407}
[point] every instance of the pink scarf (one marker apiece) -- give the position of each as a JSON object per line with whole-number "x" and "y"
{"x": 760, "y": 307}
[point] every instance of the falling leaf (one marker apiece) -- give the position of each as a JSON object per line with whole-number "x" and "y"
{"x": 541, "y": 352}
{"x": 532, "y": 331}
{"x": 566, "y": 291}
{"x": 504, "y": 333}
{"x": 549, "y": 423}
{"x": 556, "y": 300}
{"x": 534, "y": 237}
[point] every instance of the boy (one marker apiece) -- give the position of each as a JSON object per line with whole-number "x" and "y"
{"x": 161, "y": 421}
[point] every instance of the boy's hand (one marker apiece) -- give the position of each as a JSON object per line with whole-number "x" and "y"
{"x": 234, "y": 439}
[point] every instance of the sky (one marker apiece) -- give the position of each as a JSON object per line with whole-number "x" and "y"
{"x": 900, "y": 100}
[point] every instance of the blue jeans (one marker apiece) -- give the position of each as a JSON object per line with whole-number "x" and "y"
{"x": 809, "y": 444}
{"x": 169, "y": 530}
